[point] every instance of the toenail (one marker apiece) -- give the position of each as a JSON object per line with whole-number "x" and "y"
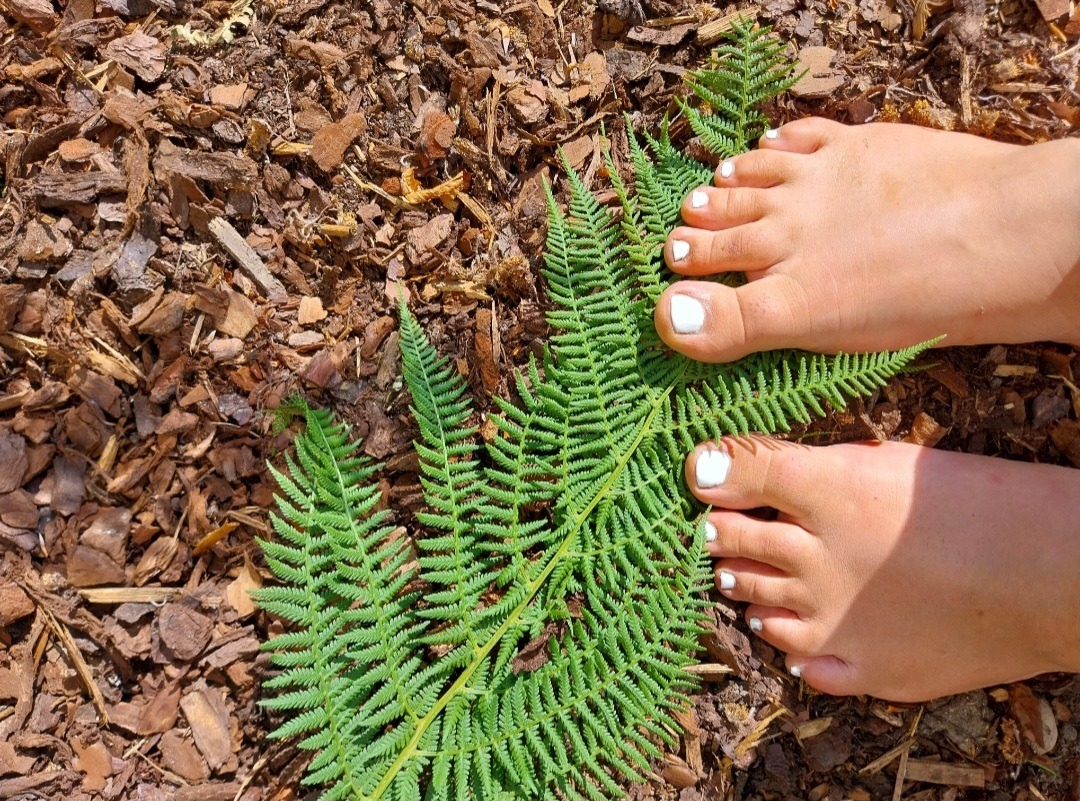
{"x": 795, "y": 671}
{"x": 727, "y": 169}
{"x": 687, "y": 314}
{"x": 772, "y": 133}
{"x": 710, "y": 532}
{"x": 727, "y": 580}
{"x": 699, "y": 199}
{"x": 755, "y": 624}
{"x": 711, "y": 468}
{"x": 680, "y": 249}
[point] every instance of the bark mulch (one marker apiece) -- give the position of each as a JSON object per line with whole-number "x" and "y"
{"x": 208, "y": 206}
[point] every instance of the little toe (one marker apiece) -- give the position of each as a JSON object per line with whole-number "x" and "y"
{"x": 750, "y": 472}
{"x": 753, "y": 582}
{"x": 828, "y": 674}
{"x": 807, "y": 135}
{"x": 757, "y": 168}
{"x": 771, "y": 542}
{"x": 750, "y": 247}
{"x": 714, "y": 209}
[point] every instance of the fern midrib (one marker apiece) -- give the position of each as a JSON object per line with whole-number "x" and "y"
{"x": 411, "y": 749}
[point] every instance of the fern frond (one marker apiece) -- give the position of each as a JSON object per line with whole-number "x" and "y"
{"x": 744, "y": 73}
{"x": 536, "y": 646}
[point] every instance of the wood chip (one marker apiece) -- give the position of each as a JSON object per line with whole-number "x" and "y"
{"x": 14, "y": 604}
{"x": 926, "y": 770}
{"x": 821, "y": 79}
{"x": 310, "y": 311}
{"x": 141, "y": 54}
{"x": 925, "y": 431}
{"x": 184, "y": 632}
{"x": 1015, "y": 370}
{"x": 124, "y": 595}
{"x": 1052, "y": 9}
{"x": 231, "y": 96}
{"x": 95, "y": 761}
{"x": 248, "y": 260}
{"x": 329, "y": 144}
{"x": 208, "y": 717}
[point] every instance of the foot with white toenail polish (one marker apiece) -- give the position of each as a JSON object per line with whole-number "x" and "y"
{"x": 896, "y": 571}
{"x": 868, "y": 237}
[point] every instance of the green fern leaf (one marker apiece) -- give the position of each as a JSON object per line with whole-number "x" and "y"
{"x": 535, "y": 647}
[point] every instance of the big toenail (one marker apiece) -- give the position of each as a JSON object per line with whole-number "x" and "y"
{"x": 680, "y": 249}
{"x": 687, "y": 314}
{"x": 699, "y": 199}
{"x": 795, "y": 671}
{"x": 711, "y": 468}
{"x": 772, "y": 133}
{"x": 727, "y": 580}
{"x": 755, "y": 624}
{"x": 710, "y": 532}
{"x": 727, "y": 169}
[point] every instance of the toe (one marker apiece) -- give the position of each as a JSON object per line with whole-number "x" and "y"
{"x": 770, "y": 542}
{"x": 802, "y": 136}
{"x": 758, "y": 168}
{"x": 828, "y": 674}
{"x": 781, "y": 628}
{"x": 714, "y": 209}
{"x": 750, "y": 472}
{"x": 710, "y": 322}
{"x": 752, "y": 582}
{"x": 750, "y": 247}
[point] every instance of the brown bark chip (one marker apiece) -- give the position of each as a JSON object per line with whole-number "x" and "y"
{"x": 143, "y": 55}
{"x": 13, "y": 461}
{"x": 329, "y": 144}
{"x": 179, "y": 755}
{"x": 14, "y": 604}
{"x": 208, "y": 717}
{"x": 184, "y": 632}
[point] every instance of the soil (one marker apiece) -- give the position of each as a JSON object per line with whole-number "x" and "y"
{"x": 208, "y": 206}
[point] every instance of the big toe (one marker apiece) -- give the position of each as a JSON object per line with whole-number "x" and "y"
{"x": 751, "y": 472}
{"x": 710, "y": 322}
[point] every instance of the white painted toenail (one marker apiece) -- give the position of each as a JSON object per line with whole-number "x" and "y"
{"x": 755, "y": 624}
{"x": 727, "y": 580}
{"x": 680, "y": 249}
{"x": 795, "y": 671}
{"x": 710, "y": 532}
{"x": 772, "y": 133}
{"x": 711, "y": 468}
{"x": 687, "y": 314}
{"x": 699, "y": 199}
{"x": 727, "y": 169}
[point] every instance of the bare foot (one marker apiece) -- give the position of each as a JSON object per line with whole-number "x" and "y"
{"x": 897, "y": 571}
{"x": 878, "y": 236}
